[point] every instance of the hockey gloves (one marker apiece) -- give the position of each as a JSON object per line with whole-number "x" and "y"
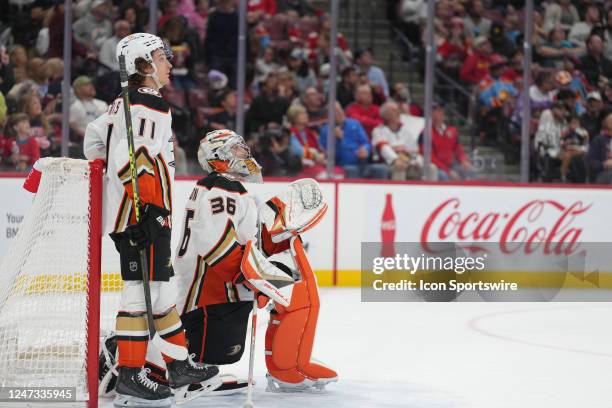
{"x": 145, "y": 232}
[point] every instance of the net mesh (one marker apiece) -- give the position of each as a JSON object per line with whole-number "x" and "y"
{"x": 43, "y": 285}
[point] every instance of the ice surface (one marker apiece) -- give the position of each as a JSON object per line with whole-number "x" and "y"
{"x": 425, "y": 355}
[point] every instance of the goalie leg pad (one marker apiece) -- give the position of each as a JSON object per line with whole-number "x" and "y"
{"x": 291, "y": 331}
{"x": 217, "y": 333}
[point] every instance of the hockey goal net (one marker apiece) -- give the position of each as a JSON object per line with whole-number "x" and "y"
{"x": 50, "y": 285}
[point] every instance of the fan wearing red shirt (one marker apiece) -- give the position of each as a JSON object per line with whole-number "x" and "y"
{"x": 446, "y": 149}
{"x": 24, "y": 149}
{"x": 364, "y": 110}
{"x": 475, "y": 68}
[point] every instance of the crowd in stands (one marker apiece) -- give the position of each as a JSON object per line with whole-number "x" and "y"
{"x": 377, "y": 128}
{"x": 378, "y": 132}
{"x": 480, "y": 45}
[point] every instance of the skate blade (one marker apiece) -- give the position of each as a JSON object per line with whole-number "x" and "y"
{"x": 230, "y": 386}
{"x": 307, "y": 386}
{"x": 183, "y": 394}
{"x": 126, "y": 401}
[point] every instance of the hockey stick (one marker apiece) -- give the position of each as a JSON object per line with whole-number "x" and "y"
{"x": 249, "y": 401}
{"x": 167, "y": 348}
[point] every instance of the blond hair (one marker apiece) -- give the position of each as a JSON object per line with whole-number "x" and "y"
{"x": 294, "y": 111}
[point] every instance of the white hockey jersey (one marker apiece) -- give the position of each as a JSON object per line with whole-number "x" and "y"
{"x": 106, "y": 138}
{"x": 220, "y": 217}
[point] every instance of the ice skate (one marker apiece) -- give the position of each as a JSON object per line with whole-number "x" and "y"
{"x": 135, "y": 389}
{"x": 189, "y": 379}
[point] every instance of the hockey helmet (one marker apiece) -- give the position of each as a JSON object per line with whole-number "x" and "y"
{"x": 140, "y": 45}
{"x": 224, "y": 151}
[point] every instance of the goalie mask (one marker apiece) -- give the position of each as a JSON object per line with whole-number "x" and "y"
{"x": 142, "y": 45}
{"x": 224, "y": 151}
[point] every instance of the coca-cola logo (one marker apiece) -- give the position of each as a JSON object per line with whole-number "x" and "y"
{"x": 538, "y": 225}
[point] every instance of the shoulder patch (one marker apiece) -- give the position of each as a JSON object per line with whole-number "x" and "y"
{"x": 216, "y": 180}
{"x": 149, "y": 98}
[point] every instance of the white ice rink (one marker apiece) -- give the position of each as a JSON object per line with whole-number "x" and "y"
{"x": 425, "y": 355}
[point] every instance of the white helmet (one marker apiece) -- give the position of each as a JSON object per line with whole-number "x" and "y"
{"x": 224, "y": 151}
{"x": 141, "y": 45}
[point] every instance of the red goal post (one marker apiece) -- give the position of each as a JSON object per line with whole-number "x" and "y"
{"x": 50, "y": 285}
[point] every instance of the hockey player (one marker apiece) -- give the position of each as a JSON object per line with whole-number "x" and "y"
{"x": 220, "y": 267}
{"x": 148, "y": 66}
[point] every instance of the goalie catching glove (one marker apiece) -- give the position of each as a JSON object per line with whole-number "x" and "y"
{"x": 295, "y": 211}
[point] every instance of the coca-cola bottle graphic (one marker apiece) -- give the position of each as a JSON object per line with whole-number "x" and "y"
{"x": 387, "y": 229}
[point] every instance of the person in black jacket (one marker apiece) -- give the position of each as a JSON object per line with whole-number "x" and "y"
{"x": 221, "y": 46}
{"x": 595, "y": 66}
{"x": 599, "y": 157}
{"x": 268, "y": 109}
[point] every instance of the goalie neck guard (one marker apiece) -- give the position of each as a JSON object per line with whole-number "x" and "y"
{"x": 224, "y": 151}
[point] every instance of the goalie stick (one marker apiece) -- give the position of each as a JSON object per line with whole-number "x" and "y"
{"x": 167, "y": 348}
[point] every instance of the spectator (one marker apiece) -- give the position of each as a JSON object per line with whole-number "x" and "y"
{"x": 38, "y": 72}
{"x": 303, "y": 76}
{"x": 184, "y": 54}
{"x": 446, "y": 150}
{"x": 413, "y": 13}
{"x": 500, "y": 43}
{"x": 592, "y": 118}
{"x": 475, "y": 23}
{"x": 365, "y": 61}
{"x": 574, "y": 144}
{"x": 401, "y": 95}
{"x": 268, "y": 107}
{"x": 301, "y": 7}
{"x": 607, "y": 36}
{"x": 553, "y": 51}
{"x": 552, "y": 125}
{"x": 581, "y": 30}
{"x": 397, "y": 143}
{"x": 305, "y": 143}
{"x": 353, "y": 148}
{"x": 568, "y": 97}
{"x": 217, "y": 84}
{"x": 19, "y": 61}
{"x": 2, "y": 111}
{"x": 108, "y": 50}
{"x": 91, "y": 30}
{"x": 169, "y": 8}
{"x": 495, "y": 92}
{"x": 86, "y": 108}
{"x": 346, "y": 87}
{"x": 313, "y": 102}
{"x": 260, "y": 9}
{"x": 221, "y": 46}
{"x": 273, "y": 152}
{"x": 24, "y": 149}
{"x": 40, "y": 128}
{"x": 286, "y": 86}
{"x": 452, "y": 51}
{"x": 226, "y": 119}
{"x": 266, "y": 64}
{"x": 475, "y": 68}
{"x": 599, "y": 156}
{"x": 364, "y": 110}
{"x": 542, "y": 92}
{"x": 561, "y": 13}
{"x": 7, "y": 79}
{"x": 595, "y": 66}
